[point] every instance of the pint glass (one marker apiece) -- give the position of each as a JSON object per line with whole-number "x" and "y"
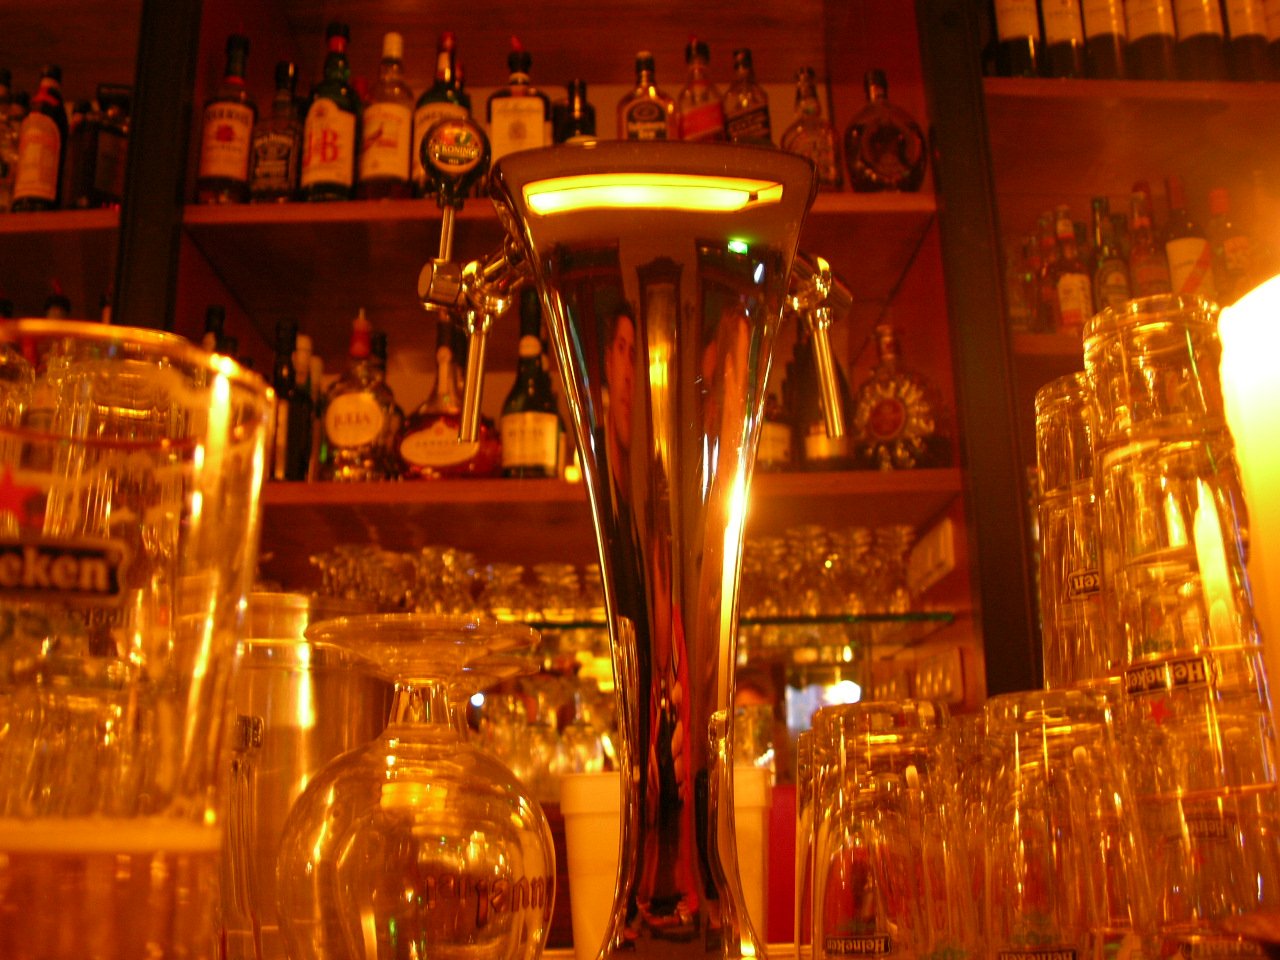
{"x": 130, "y": 470}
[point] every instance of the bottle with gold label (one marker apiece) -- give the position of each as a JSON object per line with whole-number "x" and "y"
{"x": 895, "y": 414}
{"x": 331, "y": 132}
{"x": 359, "y": 415}
{"x": 519, "y": 114}
{"x": 227, "y": 132}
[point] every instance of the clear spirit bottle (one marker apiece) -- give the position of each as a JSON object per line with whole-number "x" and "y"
{"x": 359, "y": 415}
{"x": 895, "y": 414}
{"x": 884, "y": 147}
{"x": 812, "y": 135}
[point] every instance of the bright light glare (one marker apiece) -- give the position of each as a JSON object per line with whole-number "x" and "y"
{"x": 651, "y": 191}
{"x": 738, "y": 246}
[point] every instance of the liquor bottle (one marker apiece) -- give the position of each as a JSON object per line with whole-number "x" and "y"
{"x": 8, "y": 141}
{"x": 1186, "y": 246}
{"x": 883, "y": 146}
{"x": 42, "y": 147}
{"x": 331, "y": 132}
{"x": 1048, "y": 308}
{"x": 812, "y": 447}
{"x": 1200, "y": 53}
{"x": 895, "y": 414}
{"x": 284, "y": 380}
{"x": 308, "y": 369}
{"x": 110, "y": 146}
{"x": 1152, "y": 35}
{"x": 428, "y": 445}
{"x": 1110, "y": 268}
{"x": 699, "y": 111}
{"x": 444, "y": 98}
{"x": 57, "y": 305}
{"x": 519, "y": 114}
{"x": 227, "y": 132}
{"x": 1246, "y": 25}
{"x": 387, "y": 137}
{"x": 1063, "y": 38}
{"x": 646, "y": 113}
{"x": 812, "y": 135}
{"x": 746, "y": 105}
{"x": 77, "y": 169}
{"x": 774, "y": 449}
{"x": 277, "y": 143}
{"x": 378, "y": 361}
{"x": 1018, "y": 43}
{"x": 1071, "y": 281}
{"x": 529, "y": 427}
{"x": 1231, "y": 246}
{"x": 1029, "y": 281}
{"x": 358, "y": 415}
{"x": 1148, "y": 264}
{"x": 573, "y": 119}
{"x": 1105, "y": 38}
{"x": 215, "y": 321}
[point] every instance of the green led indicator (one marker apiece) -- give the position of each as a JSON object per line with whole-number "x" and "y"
{"x": 738, "y": 246}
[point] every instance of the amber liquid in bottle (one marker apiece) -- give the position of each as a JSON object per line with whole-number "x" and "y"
{"x": 227, "y": 133}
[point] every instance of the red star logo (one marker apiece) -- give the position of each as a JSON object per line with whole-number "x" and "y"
{"x": 1160, "y": 711}
{"x": 15, "y": 499}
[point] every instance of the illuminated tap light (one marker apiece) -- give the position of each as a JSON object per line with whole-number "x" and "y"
{"x": 649, "y": 191}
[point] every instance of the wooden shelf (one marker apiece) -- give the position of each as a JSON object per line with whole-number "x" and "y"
{"x": 75, "y": 247}
{"x": 1064, "y": 141}
{"x": 538, "y": 520}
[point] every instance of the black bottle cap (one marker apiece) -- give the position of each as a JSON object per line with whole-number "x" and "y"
{"x": 697, "y": 49}
{"x": 644, "y": 61}
{"x": 53, "y": 72}
{"x": 336, "y": 29}
{"x": 742, "y": 58}
{"x": 530, "y": 313}
{"x": 518, "y": 60}
{"x": 286, "y": 75}
{"x": 378, "y": 345}
{"x": 577, "y": 88}
{"x": 875, "y": 78}
{"x": 237, "y": 43}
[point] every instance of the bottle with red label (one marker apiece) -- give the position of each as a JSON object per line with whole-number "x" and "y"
{"x": 1072, "y": 282}
{"x": 387, "y": 140}
{"x": 226, "y": 132}
{"x": 429, "y": 444}
{"x": 1187, "y": 247}
{"x": 1148, "y": 265}
{"x": 331, "y": 132}
{"x": 359, "y": 415}
{"x": 42, "y": 148}
{"x": 699, "y": 108}
{"x": 895, "y": 414}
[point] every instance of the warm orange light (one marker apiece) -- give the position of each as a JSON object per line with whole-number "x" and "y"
{"x": 649, "y": 191}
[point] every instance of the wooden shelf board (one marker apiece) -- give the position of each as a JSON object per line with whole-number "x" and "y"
{"x": 540, "y": 520}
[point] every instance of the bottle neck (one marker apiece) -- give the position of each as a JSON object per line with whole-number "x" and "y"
{"x": 445, "y": 71}
{"x": 50, "y": 93}
{"x": 390, "y": 70}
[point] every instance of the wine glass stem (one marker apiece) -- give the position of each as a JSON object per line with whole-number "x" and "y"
{"x": 418, "y": 702}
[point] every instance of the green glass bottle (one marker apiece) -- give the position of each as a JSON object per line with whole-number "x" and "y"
{"x": 331, "y": 133}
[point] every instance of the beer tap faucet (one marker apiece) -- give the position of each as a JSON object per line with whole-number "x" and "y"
{"x": 815, "y": 296}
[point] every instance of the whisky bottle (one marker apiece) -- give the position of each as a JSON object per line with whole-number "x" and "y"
{"x": 573, "y": 119}
{"x": 42, "y": 148}
{"x": 646, "y": 113}
{"x": 378, "y": 360}
{"x": 77, "y": 169}
{"x": 8, "y": 141}
{"x": 1072, "y": 282}
{"x": 358, "y": 415}
{"x": 277, "y": 143}
{"x": 387, "y": 129}
{"x": 519, "y": 114}
{"x": 812, "y": 135}
{"x": 1231, "y": 247}
{"x": 284, "y": 380}
{"x": 1187, "y": 247}
{"x": 530, "y": 429}
{"x": 883, "y": 146}
{"x": 699, "y": 110}
{"x": 444, "y": 98}
{"x": 1105, "y": 38}
{"x": 1063, "y": 38}
{"x": 110, "y": 146}
{"x": 1048, "y": 309}
{"x": 331, "y": 132}
{"x": 1018, "y": 41}
{"x": 1148, "y": 264}
{"x": 429, "y": 447}
{"x": 227, "y": 132}
{"x": 1201, "y": 50}
{"x": 1152, "y": 36}
{"x": 895, "y": 414}
{"x": 1110, "y": 268}
{"x": 1246, "y": 23}
{"x": 746, "y": 105}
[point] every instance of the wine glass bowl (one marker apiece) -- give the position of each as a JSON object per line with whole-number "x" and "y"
{"x": 417, "y": 843}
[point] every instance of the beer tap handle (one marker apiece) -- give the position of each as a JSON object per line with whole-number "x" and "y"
{"x": 815, "y": 295}
{"x": 489, "y": 289}
{"x": 455, "y": 154}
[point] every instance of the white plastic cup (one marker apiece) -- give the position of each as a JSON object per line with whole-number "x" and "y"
{"x": 591, "y": 804}
{"x": 752, "y": 798}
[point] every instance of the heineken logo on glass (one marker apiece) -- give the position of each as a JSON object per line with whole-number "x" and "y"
{"x": 1083, "y": 584}
{"x": 873, "y": 946}
{"x": 61, "y": 570}
{"x": 1182, "y": 673}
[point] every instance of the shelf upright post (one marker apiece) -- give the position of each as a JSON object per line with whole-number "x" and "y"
{"x": 145, "y": 287}
{"x": 996, "y": 502}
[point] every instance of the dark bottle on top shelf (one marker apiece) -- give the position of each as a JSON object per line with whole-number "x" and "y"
{"x": 746, "y": 105}
{"x": 1200, "y": 53}
{"x": 227, "y": 132}
{"x": 77, "y": 171}
{"x": 110, "y": 146}
{"x": 1017, "y": 36}
{"x": 645, "y": 112}
{"x": 277, "y": 143}
{"x": 1105, "y": 38}
{"x": 532, "y": 434}
{"x": 444, "y": 98}
{"x": 1152, "y": 35}
{"x": 1063, "y": 38}
{"x": 519, "y": 114}
{"x": 42, "y": 147}
{"x": 884, "y": 148}
{"x": 1246, "y": 23}
{"x": 573, "y": 118}
{"x": 331, "y": 132}
{"x": 386, "y": 140}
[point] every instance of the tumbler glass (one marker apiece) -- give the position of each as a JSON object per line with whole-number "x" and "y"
{"x": 132, "y": 465}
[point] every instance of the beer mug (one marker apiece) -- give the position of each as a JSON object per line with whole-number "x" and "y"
{"x": 130, "y": 469}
